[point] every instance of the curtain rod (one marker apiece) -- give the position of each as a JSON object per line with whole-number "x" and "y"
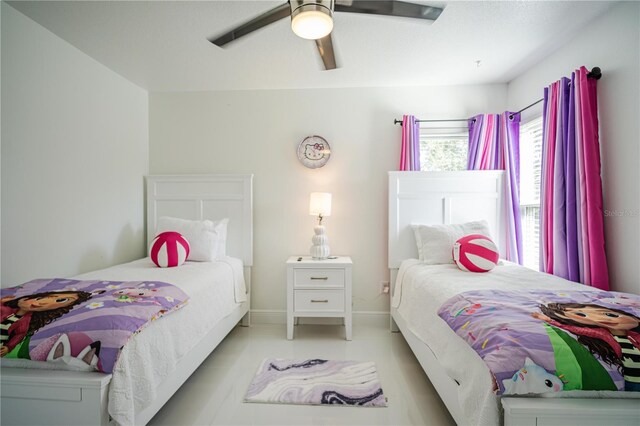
{"x": 595, "y": 73}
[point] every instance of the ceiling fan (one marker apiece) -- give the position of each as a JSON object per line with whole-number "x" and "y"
{"x": 313, "y": 20}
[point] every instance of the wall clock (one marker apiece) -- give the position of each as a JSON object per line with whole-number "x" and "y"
{"x": 314, "y": 151}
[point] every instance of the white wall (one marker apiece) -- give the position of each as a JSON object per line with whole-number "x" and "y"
{"x": 74, "y": 153}
{"x": 612, "y": 43}
{"x": 258, "y": 132}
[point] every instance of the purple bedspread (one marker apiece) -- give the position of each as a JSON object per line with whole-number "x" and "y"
{"x": 536, "y": 342}
{"x": 81, "y": 325}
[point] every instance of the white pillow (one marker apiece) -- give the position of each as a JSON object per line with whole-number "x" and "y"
{"x": 435, "y": 242}
{"x": 207, "y": 239}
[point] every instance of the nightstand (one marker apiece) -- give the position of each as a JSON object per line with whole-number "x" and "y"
{"x": 319, "y": 288}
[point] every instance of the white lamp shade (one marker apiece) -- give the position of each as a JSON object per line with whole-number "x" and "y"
{"x": 320, "y": 204}
{"x": 312, "y": 24}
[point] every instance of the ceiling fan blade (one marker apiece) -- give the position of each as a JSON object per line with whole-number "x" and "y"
{"x": 390, "y": 8}
{"x": 325, "y": 48}
{"x": 265, "y": 19}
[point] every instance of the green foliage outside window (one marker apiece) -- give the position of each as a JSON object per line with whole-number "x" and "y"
{"x": 443, "y": 154}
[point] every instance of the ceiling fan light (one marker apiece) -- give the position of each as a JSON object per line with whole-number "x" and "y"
{"x": 312, "y": 22}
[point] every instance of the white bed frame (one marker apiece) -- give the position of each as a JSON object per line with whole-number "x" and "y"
{"x": 32, "y": 397}
{"x": 455, "y": 197}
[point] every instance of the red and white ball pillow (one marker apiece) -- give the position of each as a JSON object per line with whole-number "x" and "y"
{"x": 475, "y": 253}
{"x": 169, "y": 249}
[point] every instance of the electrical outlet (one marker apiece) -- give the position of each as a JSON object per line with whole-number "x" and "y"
{"x": 384, "y": 287}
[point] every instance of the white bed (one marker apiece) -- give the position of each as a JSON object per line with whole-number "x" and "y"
{"x": 456, "y": 197}
{"x": 154, "y": 363}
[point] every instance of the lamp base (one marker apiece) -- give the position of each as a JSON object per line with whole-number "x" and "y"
{"x": 319, "y": 250}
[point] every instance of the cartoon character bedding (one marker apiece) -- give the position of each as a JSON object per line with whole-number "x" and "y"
{"x": 80, "y": 325}
{"x": 541, "y": 341}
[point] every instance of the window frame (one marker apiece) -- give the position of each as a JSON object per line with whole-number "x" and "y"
{"x": 530, "y": 208}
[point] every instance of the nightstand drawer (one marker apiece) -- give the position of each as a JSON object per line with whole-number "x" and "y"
{"x": 318, "y": 301}
{"x": 318, "y": 277}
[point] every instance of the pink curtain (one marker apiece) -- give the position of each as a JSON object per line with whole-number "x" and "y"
{"x": 571, "y": 209}
{"x": 494, "y": 144}
{"x": 410, "y": 150}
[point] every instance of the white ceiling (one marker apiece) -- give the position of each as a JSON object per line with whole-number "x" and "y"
{"x": 162, "y": 46}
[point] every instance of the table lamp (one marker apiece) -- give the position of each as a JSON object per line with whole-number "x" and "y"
{"x": 319, "y": 205}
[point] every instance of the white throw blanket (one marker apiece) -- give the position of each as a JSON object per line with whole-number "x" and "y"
{"x": 151, "y": 356}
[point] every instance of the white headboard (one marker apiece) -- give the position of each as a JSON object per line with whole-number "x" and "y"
{"x": 436, "y": 198}
{"x": 200, "y": 197}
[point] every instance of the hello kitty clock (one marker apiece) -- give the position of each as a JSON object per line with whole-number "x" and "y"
{"x": 314, "y": 151}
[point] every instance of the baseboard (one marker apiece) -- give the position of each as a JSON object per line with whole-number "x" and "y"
{"x": 371, "y": 318}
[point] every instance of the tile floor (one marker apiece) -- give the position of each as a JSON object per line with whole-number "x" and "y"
{"x": 213, "y": 395}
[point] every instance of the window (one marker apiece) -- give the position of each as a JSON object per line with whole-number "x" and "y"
{"x": 530, "y": 172}
{"x": 447, "y": 150}
{"x": 443, "y": 152}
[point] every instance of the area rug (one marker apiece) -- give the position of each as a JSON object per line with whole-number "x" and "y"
{"x": 317, "y": 382}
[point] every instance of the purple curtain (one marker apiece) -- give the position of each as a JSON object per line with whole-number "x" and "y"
{"x": 571, "y": 211}
{"x": 494, "y": 144}
{"x": 410, "y": 151}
